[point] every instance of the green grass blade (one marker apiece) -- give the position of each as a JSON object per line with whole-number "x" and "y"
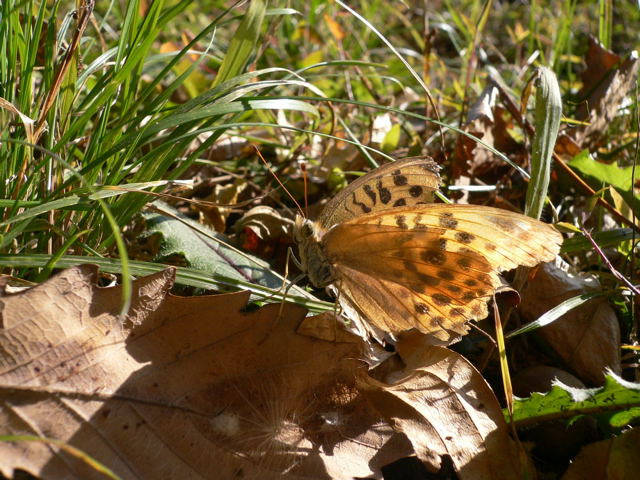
{"x": 184, "y": 276}
{"x": 243, "y": 43}
{"x": 555, "y": 313}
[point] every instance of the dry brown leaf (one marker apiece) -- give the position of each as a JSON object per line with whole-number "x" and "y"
{"x": 486, "y": 122}
{"x": 606, "y": 82}
{"x": 184, "y": 388}
{"x": 540, "y": 378}
{"x": 327, "y": 326}
{"x": 615, "y": 458}
{"x": 263, "y": 231}
{"x": 224, "y": 196}
{"x": 266, "y": 222}
{"x": 194, "y": 388}
{"x": 588, "y": 337}
{"x": 464, "y": 420}
{"x": 566, "y": 146}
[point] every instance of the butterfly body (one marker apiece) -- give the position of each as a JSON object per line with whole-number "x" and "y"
{"x": 400, "y": 261}
{"x": 308, "y": 236}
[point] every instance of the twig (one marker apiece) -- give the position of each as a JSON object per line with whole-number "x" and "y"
{"x": 604, "y": 258}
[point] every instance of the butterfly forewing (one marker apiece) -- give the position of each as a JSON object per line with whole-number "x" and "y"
{"x": 407, "y": 182}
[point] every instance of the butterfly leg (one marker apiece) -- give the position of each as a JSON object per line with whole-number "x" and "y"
{"x": 294, "y": 259}
{"x": 337, "y": 307}
{"x": 286, "y": 286}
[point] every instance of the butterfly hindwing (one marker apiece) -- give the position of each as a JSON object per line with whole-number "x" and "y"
{"x": 406, "y": 182}
{"x": 384, "y": 304}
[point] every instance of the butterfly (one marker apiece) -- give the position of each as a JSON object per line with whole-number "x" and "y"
{"x": 399, "y": 261}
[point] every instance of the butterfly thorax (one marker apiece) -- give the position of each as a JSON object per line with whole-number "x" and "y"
{"x": 308, "y": 235}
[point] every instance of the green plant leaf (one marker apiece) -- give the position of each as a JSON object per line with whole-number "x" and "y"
{"x": 81, "y": 199}
{"x": 609, "y": 174}
{"x": 208, "y": 251}
{"x": 608, "y": 238}
{"x": 190, "y": 277}
{"x": 548, "y": 113}
{"x": 617, "y": 397}
{"x": 392, "y": 139}
{"x": 620, "y": 178}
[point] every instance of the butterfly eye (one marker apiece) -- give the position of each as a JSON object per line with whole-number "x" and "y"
{"x": 303, "y": 229}
{"x": 307, "y": 229}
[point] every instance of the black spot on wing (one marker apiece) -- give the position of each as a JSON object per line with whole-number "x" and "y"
{"x": 399, "y": 179}
{"x": 401, "y": 222}
{"x": 421, "y": 308}
{"x": 464, "y": 263}
{"x": 441, "y": 299}
{"x": 445, "y": 274}
{"x": 433, "y": 257}
{"x": 385, "y": 193}
{"x": 361, "y": 205}
{"x": 416, "y": 191}
{"x": 447, "y": 220}
{"x": 428, "y": 279}
{"x": 370, "y": 193}
{"x": 465, "y": 237}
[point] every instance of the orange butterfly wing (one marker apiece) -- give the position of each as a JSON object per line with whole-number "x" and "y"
{"x": 431, "y": 267}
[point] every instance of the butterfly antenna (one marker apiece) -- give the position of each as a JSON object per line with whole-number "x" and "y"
{"x": 303, "y": 168}
{"x": 279, "y": 182}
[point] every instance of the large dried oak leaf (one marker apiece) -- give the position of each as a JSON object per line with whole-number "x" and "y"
{"x": 196, "y": 388}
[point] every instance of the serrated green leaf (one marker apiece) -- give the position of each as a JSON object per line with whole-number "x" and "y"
{"x": 564, "y": 402}
{"x": 609, "y": 174}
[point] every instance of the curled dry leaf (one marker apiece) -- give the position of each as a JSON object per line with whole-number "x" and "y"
{"x": 195, "y": 388}
{"x": 486, "y": 122}
{"x": 262, "y": 230}
{"x": 607, "y": 80}
{"x": 224, "y": 196}
{"x": 464, "y": 417}
{"x": 588, "y": 337}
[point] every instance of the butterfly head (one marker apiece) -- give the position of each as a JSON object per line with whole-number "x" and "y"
{"x": 308, "y": 236}
{"x": 303, "y": 230}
